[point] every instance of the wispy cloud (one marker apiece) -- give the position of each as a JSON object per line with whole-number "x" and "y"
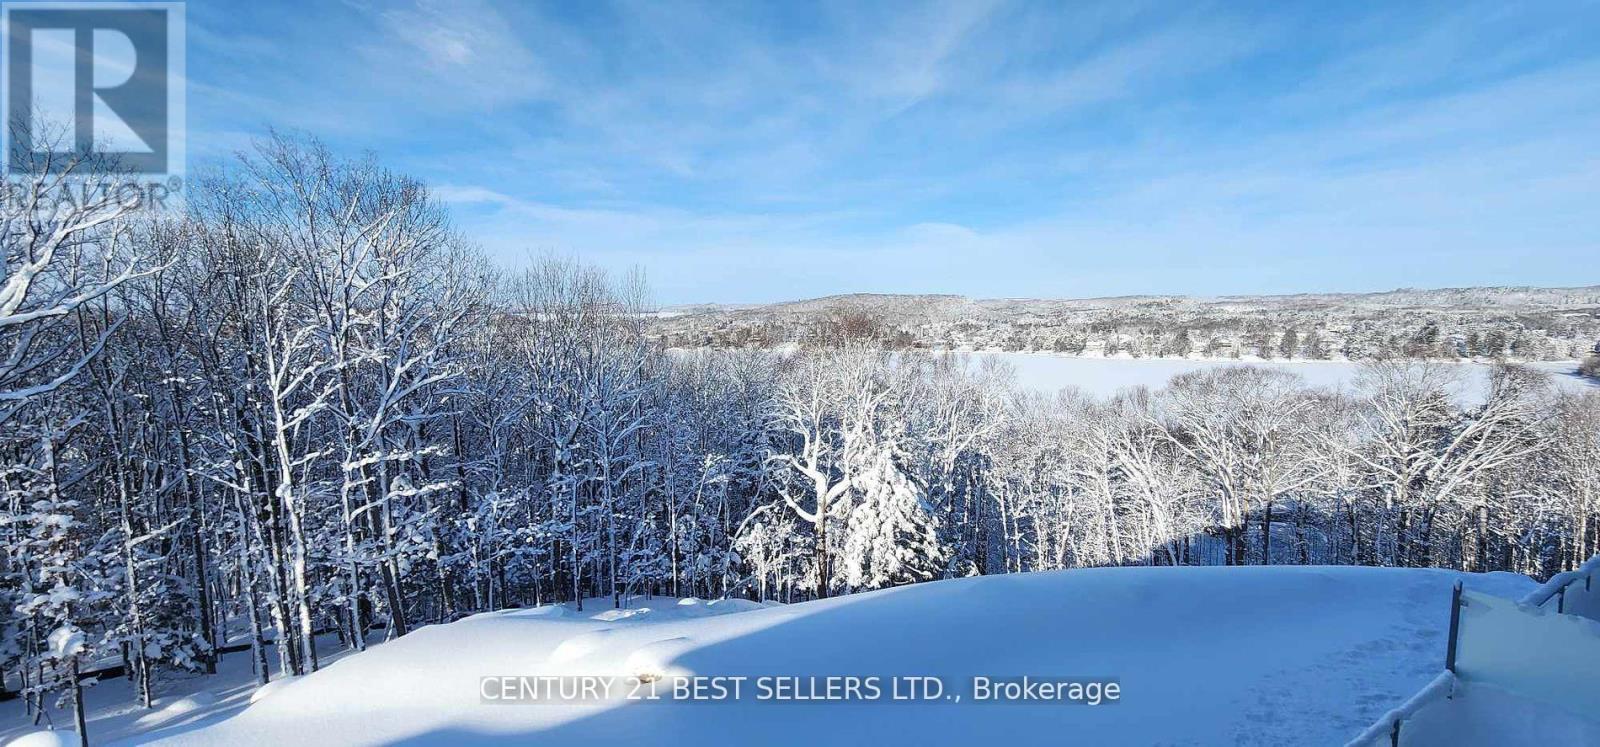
{"x": 463, "y": 50}
{"x": 748, "y": 152}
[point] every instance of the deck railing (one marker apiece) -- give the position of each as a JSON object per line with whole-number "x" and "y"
{"x": 1518, "y": 647}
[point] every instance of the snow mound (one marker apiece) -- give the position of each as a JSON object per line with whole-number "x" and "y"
{"x": 655, "y": 660}
{"x": 180, "y": 706}
{"x": 265, "y": 691}
{"x": 197, "y": 700}
{"x": 582, "y": 645}
{"x": 616, "y": 615}
{"x": 58, "y": 738}
{"x": 544, "y": 610}
{"x": 725, "y": 606}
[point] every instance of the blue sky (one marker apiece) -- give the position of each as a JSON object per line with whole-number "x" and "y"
{"x": 744, "y": 152}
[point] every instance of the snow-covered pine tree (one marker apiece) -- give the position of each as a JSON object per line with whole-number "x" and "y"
{"x": 891, "y": 532}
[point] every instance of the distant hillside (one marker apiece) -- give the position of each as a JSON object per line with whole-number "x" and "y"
{"x": 1517, "y": 322}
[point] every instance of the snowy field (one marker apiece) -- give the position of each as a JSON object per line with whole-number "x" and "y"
{"x": 1269, "y": 656}
{"x": 1106, "y": 376}
{"x": 114, "y": 712}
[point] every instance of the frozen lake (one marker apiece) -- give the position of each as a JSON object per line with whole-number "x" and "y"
{"x": 1049, "y": 372}
{"x": 1106, "y": 376}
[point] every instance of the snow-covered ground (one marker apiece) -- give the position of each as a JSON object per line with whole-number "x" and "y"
{"x": 1046, "y": 372}
{"x": 183, "y": 699}
{"x": 1268, "y": 656}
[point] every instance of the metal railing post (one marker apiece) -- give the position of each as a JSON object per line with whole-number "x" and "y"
{"x": 1455, "y": 628}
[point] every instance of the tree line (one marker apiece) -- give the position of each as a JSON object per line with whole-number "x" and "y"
{"x": 1317, "y": 333}
{"x": 306, "y": 413}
